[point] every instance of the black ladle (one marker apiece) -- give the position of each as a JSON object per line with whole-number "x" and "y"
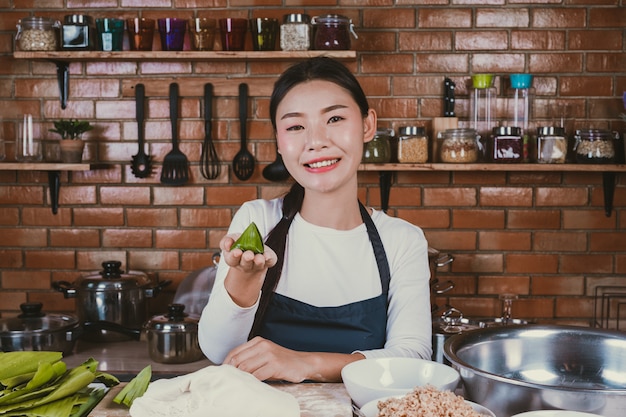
{"x": 276, "y": 171}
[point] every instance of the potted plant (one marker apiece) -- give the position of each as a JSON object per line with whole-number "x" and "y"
{"x": 71, "y": 131}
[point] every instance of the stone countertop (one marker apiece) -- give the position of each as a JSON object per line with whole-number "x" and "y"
{"x": 126, "y": 359}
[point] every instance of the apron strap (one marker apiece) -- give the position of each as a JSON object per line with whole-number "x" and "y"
{"x": 379, "y": 249}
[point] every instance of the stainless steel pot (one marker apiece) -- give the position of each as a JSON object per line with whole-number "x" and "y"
{"x": 111, "y": 296}
{"x": 173, "y": 337}
{"x": 513, "y": 369}
{"x": 451, "y": 322}
{"x": 35, "y": 330}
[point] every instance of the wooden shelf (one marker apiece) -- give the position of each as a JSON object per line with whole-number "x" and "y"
{"x": 180, "y": 55}
{"x": 496, "y": 167}
{"x": 42, "y": 166}
{"x": 54, "y": 171}
{"x": 608, "y": 171}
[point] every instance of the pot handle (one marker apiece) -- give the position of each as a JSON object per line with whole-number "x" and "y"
{"x": 65, "y": 287}
{"x": 112, "y": 327}
{"x": 154, "y": 291}
{"x": 443, "y": 260}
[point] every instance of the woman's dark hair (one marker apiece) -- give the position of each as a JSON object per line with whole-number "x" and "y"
{"x": 319, "y": 68}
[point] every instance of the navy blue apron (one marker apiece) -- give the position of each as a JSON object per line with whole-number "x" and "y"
{"x": 361, "y": 325}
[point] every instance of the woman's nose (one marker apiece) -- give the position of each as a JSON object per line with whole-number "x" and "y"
{"x": 316, "y": 139}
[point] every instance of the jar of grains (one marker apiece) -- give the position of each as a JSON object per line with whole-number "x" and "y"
{"x": 459, "y": 146}
{"x": 332, "y": 32}
{"x": 412, "y": 145}
{"x": 295, "y": 32}
{"x": 378, "y": 150}
{"x": 595, "y": 146}
{"x": 37, "y": 34}
{"x": 551, "y": 145}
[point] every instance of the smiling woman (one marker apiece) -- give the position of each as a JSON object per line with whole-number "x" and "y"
{"x": 336, "y": 282}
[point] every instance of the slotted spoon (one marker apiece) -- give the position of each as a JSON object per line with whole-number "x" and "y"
{"x": 209, "y": 162}
{"x": 243, "y": 163}
{"x": 175, "y": 169}
{"x": 141, "y": 165}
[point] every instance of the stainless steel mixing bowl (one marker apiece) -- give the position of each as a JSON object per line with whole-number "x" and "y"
{"x": 542, "y": 367}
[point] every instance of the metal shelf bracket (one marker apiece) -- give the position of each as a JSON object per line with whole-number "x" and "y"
{"x": 63, "y": 78}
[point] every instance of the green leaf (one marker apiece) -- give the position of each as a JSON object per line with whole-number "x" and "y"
{"x": 17, "y": 363}
{"x": 250, "y": 239}
{"x": 135, "y": 388}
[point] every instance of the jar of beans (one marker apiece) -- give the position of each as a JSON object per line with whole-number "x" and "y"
{"x": 37, "y": 34}
{"x": 332, "y": 32}
{"x": 412, "y": 145}
{"x": 595, "y": 146}
{"x": 459, "y": 146}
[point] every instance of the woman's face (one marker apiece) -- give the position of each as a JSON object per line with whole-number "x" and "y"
{"x": 320, "y": 133}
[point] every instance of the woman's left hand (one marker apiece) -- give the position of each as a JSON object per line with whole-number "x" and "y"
{"x": 268, "y": 361}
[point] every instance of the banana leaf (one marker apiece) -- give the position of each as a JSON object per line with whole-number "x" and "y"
{"x": 250, "y": 239}
{"x": 17, "y": 363}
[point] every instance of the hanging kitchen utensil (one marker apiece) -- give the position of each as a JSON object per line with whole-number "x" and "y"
{"x": 141, "y": 164}
{"x": 276, "y": 171}
{"x": 175, "y": 169}
{"x": 243, "y": 163}
{"x": 209, "y": 162}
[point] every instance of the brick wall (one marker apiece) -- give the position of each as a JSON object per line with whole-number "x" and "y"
{"x": 543, "y": 236}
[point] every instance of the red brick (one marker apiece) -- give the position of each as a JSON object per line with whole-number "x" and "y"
{"x": 531, "y": 263}
{"x": 501, "y": 17}
{"x": 478, "y": 263}
{"x": 573, "y": 307}
{"x": 557, "y": 285}
{"x": 126, "y": 238}
{"x": 518, "y": 285}
{"x": 449, "y": 197}
{"x": 452, "y": 240}
{"x": 559, "y": 241}
{"x": 205, "y": 217}
{"x": 184, "y": 239}
{"x": 75, "y": 238}
{"x": 475, "y": 41}
{"x": 501, "y": 196}
{"x": 504, "y": 240}
{"x": 587, "y": 219}
{"x": 562, "y": 17}
{"x": 477, "y": 219}
{"x": 529, "y": 219}
{"x": 152, "y": 217}
{"x": 581, "y": 263}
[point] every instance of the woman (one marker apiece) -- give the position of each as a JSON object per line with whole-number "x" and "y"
{"x": 337, "y": 282}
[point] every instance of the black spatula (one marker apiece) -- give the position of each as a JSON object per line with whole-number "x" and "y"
{"x": 141, "y": 164}
{"x": 243, "y": 163}
{"x": 175, "y": 169}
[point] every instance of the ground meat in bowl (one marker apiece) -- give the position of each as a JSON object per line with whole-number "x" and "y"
{"x": 426, "y": 401}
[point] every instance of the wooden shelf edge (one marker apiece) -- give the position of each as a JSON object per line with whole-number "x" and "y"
{"x": 43, "y": 166}
{"x": 180, "y": 55}
{"x": 495, "y": 167}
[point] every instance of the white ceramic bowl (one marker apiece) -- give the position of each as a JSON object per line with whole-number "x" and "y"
{"x": 371, "y": 379}
{"x": 555, "y": 413}
{"x": 370, "y": 409}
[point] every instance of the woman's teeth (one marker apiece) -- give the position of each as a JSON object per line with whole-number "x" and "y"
{"x": 321, "y": 164}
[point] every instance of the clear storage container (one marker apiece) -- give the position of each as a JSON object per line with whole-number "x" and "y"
{"x": 595, "y": 146}
{"x": 378, "y": 150}
{"x": 412, "y": 145}
{"x": 295, "y": 32}
{"x": 551, "y": 145}
{"x": 507, "y": 144}
{"x": 78, "y": 32}
{"x": 459, "y": 146}
{"x": 37, "y": 34}
{"x": 332, "y": 32}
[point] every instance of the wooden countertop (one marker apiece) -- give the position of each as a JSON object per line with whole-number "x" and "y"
{"x": 315, "y": 399}
{"x": 126, "y": 359}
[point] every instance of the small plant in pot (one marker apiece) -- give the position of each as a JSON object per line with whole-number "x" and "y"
{"x": 71, "y": 131}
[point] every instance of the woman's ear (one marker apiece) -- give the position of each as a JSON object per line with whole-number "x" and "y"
{"x": 369, "y": 125}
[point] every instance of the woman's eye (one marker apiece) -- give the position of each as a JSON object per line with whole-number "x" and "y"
{"x": 294, "y": 128}
{"x": 335, "y": 119}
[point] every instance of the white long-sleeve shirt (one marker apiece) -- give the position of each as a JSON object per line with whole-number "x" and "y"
{"x": 325, "y": 267}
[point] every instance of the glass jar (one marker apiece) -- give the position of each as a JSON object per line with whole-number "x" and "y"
{"x": 551, "y": 145}
{"x": 507, "y": 144}
{"x": 295, "y": 32}
{"x": 78, "y": 32}
{"x": 459, "y": 146}
{"x": 378, "y": 150}
{"x": 595, "y": 146}
{"x": 412, "y": 145}
{"x": 37, "y": 34}
{"x": 332, "y": 32}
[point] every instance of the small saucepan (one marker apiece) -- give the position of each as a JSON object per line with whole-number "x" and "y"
{"x": 173, "y": 337}
{"x": 36, "y": 330}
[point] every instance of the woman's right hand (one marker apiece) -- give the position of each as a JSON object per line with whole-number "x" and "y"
{"x": 247, "y": 271}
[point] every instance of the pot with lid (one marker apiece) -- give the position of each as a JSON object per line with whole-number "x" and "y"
{"x": 35, "y": 330}
{"x": 451, "y": 322}
{"x": 111, "y": 296}
{"x": 173, "y": 337}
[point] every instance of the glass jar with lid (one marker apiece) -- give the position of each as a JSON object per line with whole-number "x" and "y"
{"x": 37, "y": 34}
{"x": 507, "y": 144}
{"x": 551, "y": 145}
{"x": 412, "y": 145}
{"x": 78, "y": 32}
{"x": 459, "y": 146}
{"x": 378, "y": 150}
{"x": 295, "y": 32}
{"x": 595, "y": 146}
{"x": 332, "y": 32}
